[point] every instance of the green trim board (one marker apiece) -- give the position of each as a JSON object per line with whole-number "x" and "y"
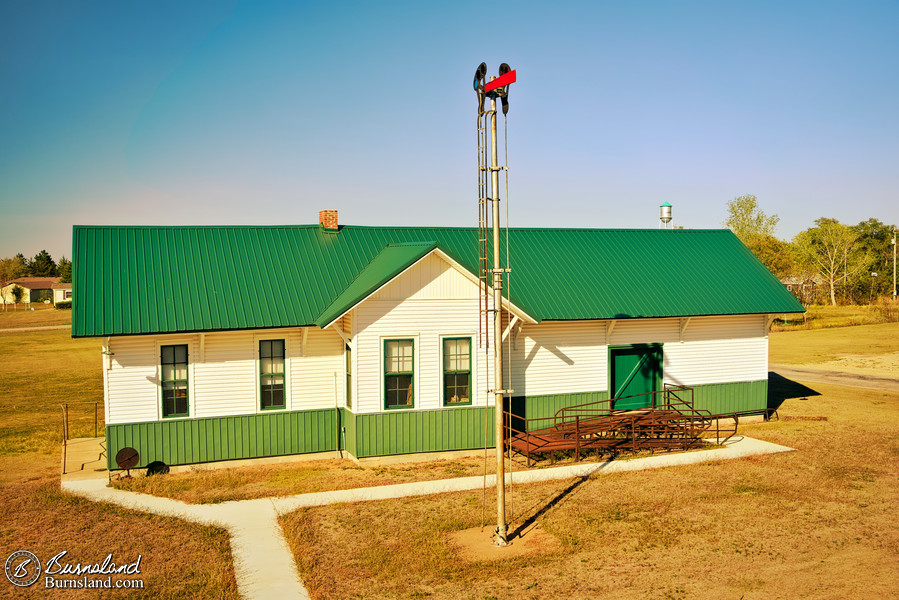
{"x": 132, "y": 280}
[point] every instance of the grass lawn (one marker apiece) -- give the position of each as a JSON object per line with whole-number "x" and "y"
{"x": 820, "y": 316}
{"x": 823, "y": 345}
{"x": 40, "y": 370}
{"x": 816, "y": 523}
{"x": 43, "y": 315}
{"x": 243, "y": 483}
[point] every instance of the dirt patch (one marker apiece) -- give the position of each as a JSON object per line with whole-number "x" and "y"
{"x": 878, "y": 365}
{"x": 476, "y": 544}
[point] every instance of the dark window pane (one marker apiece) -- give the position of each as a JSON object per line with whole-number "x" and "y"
{"x": 399, "y": 390}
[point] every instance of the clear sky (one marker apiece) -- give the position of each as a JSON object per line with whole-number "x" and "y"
{"x": 173, "y": 112}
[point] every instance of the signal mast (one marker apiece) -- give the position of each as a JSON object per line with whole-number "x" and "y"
{"x": 491, "y": 275}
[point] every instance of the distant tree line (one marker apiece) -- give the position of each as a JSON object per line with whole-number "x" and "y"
{"x": 830, "y": 261}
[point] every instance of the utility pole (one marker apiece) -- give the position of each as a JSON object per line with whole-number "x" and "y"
{"x": 496, "y": 88}
{"x": 894, "y": 263}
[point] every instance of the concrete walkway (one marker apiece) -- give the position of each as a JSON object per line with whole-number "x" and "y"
{"x": 263, "y": 563}
{"x": 41, "y": 328}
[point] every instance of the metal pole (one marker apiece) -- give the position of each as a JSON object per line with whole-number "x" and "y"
{"x": 894, "y": 264}
{"x": 497, "y": 340}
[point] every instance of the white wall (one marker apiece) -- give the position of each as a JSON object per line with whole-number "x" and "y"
{"x": 223, "y": 377}
{"x": 557, "y": 357}
{"x": 429, "y": 301}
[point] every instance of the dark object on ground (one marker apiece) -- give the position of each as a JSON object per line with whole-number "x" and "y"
{"x": 157, "y": 467}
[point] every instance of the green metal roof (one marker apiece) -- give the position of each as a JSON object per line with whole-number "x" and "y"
{"x": 137, "y": 280}
{"x": 390, "y": 262}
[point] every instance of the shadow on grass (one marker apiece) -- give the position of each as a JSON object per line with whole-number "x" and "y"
{"x": 781, "y": 389}
{"x": 541, "y": 510}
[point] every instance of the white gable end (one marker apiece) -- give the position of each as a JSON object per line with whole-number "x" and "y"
{"x": 431, "y": 278}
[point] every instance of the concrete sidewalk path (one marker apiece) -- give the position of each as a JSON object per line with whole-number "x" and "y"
{"x": 263, "y": 563}
{"x": 40, "y": 328}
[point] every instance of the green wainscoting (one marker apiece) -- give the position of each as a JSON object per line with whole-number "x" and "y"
{"x": 411, "y": 431}
{"x": 729, "y": 398}
{"x": 537, "y": 407}
{"x": 189, "y": 441}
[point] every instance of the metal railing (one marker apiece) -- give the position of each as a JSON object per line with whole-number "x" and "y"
{"x": 79, "y": 421}
{"x": 665, "y": 419}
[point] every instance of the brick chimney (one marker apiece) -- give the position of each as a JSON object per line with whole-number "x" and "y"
{"x": 328, "y": 219}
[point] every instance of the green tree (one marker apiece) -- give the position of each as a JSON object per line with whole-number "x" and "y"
{"x": 64, "y": 269}
{"x": 746, "y": 219}
{"x": 42, "y": 265}
{"x": 775, "y": 254}
{"x": 17, "y": 294}
{"x": 756, "y": 230}
{"x": 874, "y": 242}
{"x": 832, "y": 250}
{"x": 11, "y": 268}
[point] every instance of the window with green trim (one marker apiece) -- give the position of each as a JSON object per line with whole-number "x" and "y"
{"x": 174, "y": 380}
{"x": 456, "y": 371}
{"x": 349, "y": 377}
{"x": 271, "y": 374}
{"x": 399, "y": 373}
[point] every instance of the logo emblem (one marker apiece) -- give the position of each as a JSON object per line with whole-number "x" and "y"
{"x": 22, "y": 568}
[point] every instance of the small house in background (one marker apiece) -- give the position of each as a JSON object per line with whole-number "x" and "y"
{"x": 36, "y": 289}
{"x": 239, "y": 342}
{"x": 62, "y": 292}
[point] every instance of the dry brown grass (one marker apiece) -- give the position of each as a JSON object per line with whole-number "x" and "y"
{"x": 819, "y": 316}
{"x": 179, "y": 559}
{"x": 243, "y": 483}
{"x": 817, "y": 346}
{"x": 816, "y": 523}
{"x": 40, "y": 369}
{"x": 43, "y": 315}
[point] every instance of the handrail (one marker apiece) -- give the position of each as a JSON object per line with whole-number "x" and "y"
{"x": 65, "y": 426}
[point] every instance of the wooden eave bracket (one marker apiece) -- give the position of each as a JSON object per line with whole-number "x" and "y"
{"x": 303, "y": 345}
{"x": 343, "y": 335}
{"x": 684, "y": 322}
{"x": 609, "y": 329}
{"x": 769, "y": 321}
{"x": 509, "y": 327}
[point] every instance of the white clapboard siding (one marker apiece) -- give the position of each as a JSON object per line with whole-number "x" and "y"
{"x": 644, "y": 331}
{"x": 427, "y": 302}
{"x": 572, "y": 356}
{"x": 132, "y": 387}
{"x": 318, "y": 378}
{"x": 425, "y": 321}
{"x": 225, "y": 382}
{"x": 719, "y": 350}
{"x": 557, "y": 357}
{"x": 222, "y": 373}
{"x": 432, "y": 278}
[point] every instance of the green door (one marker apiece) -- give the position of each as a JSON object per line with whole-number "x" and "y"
{"x": 635, "y": 370}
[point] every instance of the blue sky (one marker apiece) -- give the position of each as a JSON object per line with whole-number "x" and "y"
{"x": 266, "y": 112}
